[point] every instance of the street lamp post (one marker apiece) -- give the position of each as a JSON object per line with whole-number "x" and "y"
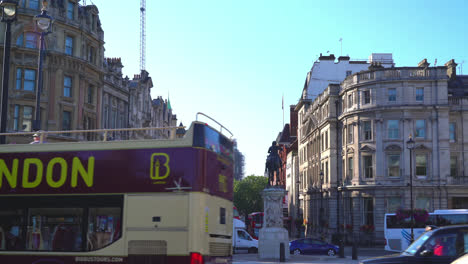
{"x": 43, "y": 23}
{"x": 339, "y": 189}
{"x": 8, "y": 16}
{"x": 410, "y": 146}
{"x": 321, "y": 202}
{"x": 298, "y": 182}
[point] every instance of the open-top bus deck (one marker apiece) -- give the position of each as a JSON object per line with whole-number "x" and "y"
{"x": 135, "y": 201}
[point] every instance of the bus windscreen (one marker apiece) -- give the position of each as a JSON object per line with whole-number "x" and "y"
{"x": 208, "y": 138}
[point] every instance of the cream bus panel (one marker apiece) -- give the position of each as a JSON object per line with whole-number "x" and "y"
{"x": 167, "y": 243}
{"x": 157, "y": 211}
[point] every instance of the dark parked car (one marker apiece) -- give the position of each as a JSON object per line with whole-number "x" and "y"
{"x": 312, "y": 246}
{"x": 436, "y": 245}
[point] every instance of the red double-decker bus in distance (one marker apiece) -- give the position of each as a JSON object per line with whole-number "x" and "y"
{"x": 129, "y": 202}
{"x": 255, "y": 224}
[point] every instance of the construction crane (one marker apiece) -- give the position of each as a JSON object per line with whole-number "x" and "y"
{"x": 142, "y": 35}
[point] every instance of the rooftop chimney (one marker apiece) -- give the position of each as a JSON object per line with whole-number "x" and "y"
{"x": 451, "y": 69}
{"x": 423, "y": 64}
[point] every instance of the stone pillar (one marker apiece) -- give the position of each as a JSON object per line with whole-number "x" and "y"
{"x": 272, "y": 232}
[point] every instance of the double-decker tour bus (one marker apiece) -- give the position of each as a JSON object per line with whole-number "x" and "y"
{"x": 398, "y": 232}
{"x": 131, "y": 202}
{"x": 255, "y": 223}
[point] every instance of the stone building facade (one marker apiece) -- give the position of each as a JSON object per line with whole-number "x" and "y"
{"x": 72, "y": 69}
{"x": 81, "y": 88}
{"x": 115, "y": 98}
{"x": 313, "y": 130}
{"x": 162, "y": 116}
{"x": 355, "y": 134}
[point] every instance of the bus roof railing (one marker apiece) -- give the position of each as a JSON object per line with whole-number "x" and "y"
{"x": 221, "y": 126}
{"x": 42, "y": 133}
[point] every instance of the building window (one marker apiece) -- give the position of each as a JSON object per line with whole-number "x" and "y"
{"x": 93, "y": 22}
{"x": 350, "y": 100}
{"x": 20, "y": 40}
{"x": 91, "y": 54}
{"x": 31, "y": 40}
{"x": 66, "y": 120}
{"x": 112, "y": 119}
{"x": 368, "y": 172}
{"x": 366, "y": 97}
{"x": 420, "y": 94}
{"x": 25, "y": 79}
{"x": 367, "y": 130}
{"x": 326, "y": 139}
{"x": 368, "y": 210}
{"x": 322, "y": 146}
{"x": 16, "y": 118}
{"x": 67, "y": 86}
{"x": 420, "y": 128}
{"x": 453, "y": 166}
{"x": 69, "y": 45}
{"x": 393, "y": 203}
{"x": 27, "y": 118}
{"x": 350, "y": 167}
{"x": 348, "y": 73}
{"x": 34, "y": 4}
{"x": 421, "y": 165}
{"x": 326, "y": 172}
{"x": 423, "y": 203}
{"x": 393, "y": 129}
{"x": 392, "y": 95}
{"x": 70, "y": 10}
{"x": 350, "y": 134}
{"x": 90, "y": 94}
{"x": 452, "y": 134}
{"x": 393, "y": 165}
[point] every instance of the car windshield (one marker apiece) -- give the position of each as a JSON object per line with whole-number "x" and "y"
{"x": 414, "y": 247}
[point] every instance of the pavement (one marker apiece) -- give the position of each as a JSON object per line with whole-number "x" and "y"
{"x": 363, "y": 253}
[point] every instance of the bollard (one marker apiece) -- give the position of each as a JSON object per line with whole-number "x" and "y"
{"x": 341, "y": 249}
{"x": 354, "y": 253}
{"x": 282, "y": 253}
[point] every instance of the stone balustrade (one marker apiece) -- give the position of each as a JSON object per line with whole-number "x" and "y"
{"x": 394, "y": 74}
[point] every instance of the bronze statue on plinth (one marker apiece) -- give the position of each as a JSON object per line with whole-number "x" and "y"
{"x": 273, "y": 163}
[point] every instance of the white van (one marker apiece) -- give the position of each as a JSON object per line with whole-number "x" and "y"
{"x": 241, "y": 240}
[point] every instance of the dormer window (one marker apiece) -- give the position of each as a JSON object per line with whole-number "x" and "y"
{"x": 93, "y": 22}
{"x": 70, "y": 10}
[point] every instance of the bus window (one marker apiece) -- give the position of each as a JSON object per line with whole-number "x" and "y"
{"x": 452, "y": 219}
{"x": 11, "y": 231}
{"x": 103, "y": 227}
{"x": 54, "y": 229}
{"x": 222, "y": 216}
{"x": 59, "y": 224}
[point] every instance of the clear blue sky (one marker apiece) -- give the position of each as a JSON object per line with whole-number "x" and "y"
{"x": 233, "y": 60}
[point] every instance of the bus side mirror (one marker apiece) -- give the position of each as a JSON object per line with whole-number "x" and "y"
{"x": 427, "y": 253}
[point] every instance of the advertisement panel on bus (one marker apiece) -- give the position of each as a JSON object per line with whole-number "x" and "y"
{"x": 132, "y": 170}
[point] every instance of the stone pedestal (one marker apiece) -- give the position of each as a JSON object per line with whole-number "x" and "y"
{"x": 273, "y": 233}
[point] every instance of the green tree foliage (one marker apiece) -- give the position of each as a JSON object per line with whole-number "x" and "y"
{"x": 248, "y": 194}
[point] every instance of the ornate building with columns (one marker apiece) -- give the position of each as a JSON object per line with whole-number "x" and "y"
{"x": 355, "y": 134}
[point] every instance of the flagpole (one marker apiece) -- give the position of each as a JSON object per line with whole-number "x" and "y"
{"x": 282, "y": 106}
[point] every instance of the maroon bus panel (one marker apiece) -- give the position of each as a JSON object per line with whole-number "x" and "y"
{"x": 116, "y": 171}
